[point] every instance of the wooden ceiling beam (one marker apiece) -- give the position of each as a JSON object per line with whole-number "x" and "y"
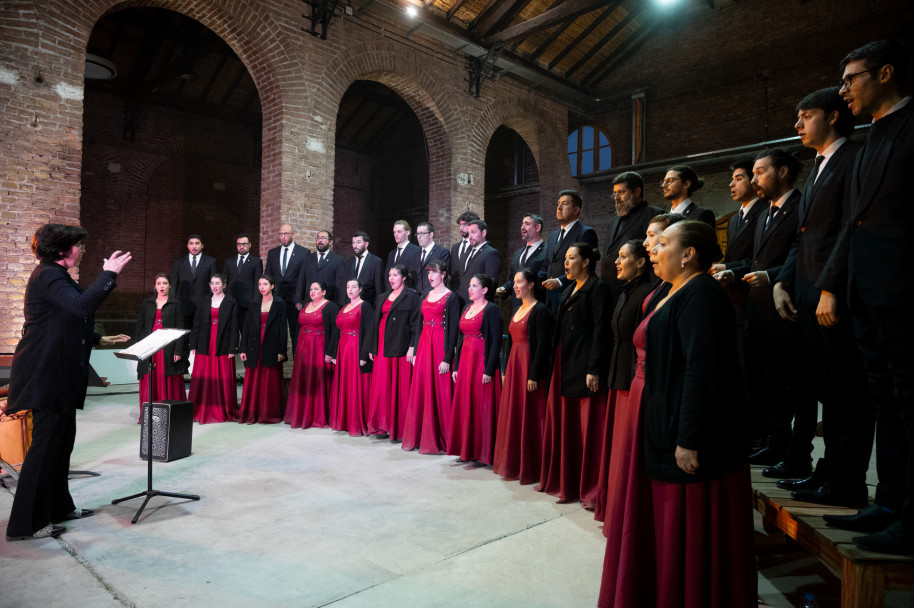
{"x": 500, "y": 17}
{"x": 630, "y": 46}
{"x": 584, "y": 34}
{"x": 558, "y": 31}
{"x": 566, "y": 10}
{"x": 632, "y": 15}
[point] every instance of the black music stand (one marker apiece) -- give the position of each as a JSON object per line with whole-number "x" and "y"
{"x": 142, "y": 350}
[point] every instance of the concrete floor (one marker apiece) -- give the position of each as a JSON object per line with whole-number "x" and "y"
{"x": 317, "y": 518}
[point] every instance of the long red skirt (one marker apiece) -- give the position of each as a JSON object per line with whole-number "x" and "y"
{"x": 350, "y": 388}
{"x": 212, "y": 385}
{"x": 390, "y": 379}
{"x": 308, "y": 403}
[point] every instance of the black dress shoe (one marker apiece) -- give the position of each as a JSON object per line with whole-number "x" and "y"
{"x": 871, "y": 519}
{"x": 829, "y": 494}
{"x": 79, "y": 514}
{"x": 767, "y": 456}
{"x": 896, "y": 539}
{"x": 805, "y": 483}
{"x": 49, "y": 531}
{"x": 792, "y": 469}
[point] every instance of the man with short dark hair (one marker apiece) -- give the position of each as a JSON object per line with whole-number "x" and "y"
{"x": 571, "y": 230}
{"x": 404, "y": 253}
{"x": 460, "y": 249}
{"x": 429, "y": 252}
{"x": 242, "y": 271}
{"x": 529, "y": 256}
{"x": 678, "y": 185}
{"x": 875, "y": 249}
{"x": 633, "y": 216}
{"x": 284, "y": 264}
{"x": 366, "y": 268}
{"x": 190, "y": 275}
{"x": 481, "y": 259}
{"x": 324, "y": 266}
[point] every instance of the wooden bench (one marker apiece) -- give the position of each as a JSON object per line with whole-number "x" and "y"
{"x": 865, "y": 576}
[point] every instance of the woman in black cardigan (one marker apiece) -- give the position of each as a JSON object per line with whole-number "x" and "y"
{"x": 214, "y": 342}
{"x": 351, "y": 385}
{"x": 522, "y": 411}
{"x": 263, "y": 349}
{"x": 695, "y": 432}
{"x": 576, "y": 406}
{"x": 477, "y": 378}
{"x": 389, "y": 345}
{"x": 632, "y": 266}
{"x": 163, "y": 310}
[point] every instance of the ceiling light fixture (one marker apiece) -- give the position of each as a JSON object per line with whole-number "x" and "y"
{"x": 412, "y": 11}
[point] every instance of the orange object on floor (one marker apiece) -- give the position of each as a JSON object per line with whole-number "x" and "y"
{"x": 15, "y": 437}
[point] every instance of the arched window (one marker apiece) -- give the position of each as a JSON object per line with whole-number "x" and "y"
{"x": 589, "y": 150}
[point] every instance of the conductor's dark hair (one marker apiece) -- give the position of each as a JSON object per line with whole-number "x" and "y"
{"x": 828, "y": 100}
{"x": 486, "y": 282}
{"x": 575, "y": 196}
{"x": 52, "y": 242}
{"x": 877, "y": 54}
{"x": 588, "y": 252}
{"x": 703, "y": 239}
{"x": 688, "y": 174}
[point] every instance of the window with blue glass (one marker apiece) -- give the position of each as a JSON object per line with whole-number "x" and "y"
{"x": 589, "y": 150}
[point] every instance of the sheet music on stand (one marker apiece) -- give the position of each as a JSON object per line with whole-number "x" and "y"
{"x": 151, "y": 344}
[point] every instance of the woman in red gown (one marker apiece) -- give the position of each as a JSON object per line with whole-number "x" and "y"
{"x": 159, "y": 312}
{"x": 576, "y": 406}
{"x": 428, "y": 413}
{"x": 214, "y": 341}
{"x": 349, "y": 390}
{"x": 391, "y": 336}
{"x": 263, "y": 349}
{"x": 522, "y": 411}
{"x": 477, "y": 379}
{"x": 309, "y": 390}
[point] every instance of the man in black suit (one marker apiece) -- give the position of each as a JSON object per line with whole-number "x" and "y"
{"x": 571, "y": 230}
{"x": 404, "y": 253}
{"x": 190, "y": 277}
{"x": 876, "y": 250}
{"x": 460, "y": 249}
{"x": 242, "y": 273}
{"x": 778, "y": 341}
{"x": 429, "y": 252}
{"x": 365, "y": 267}
{"x": 284, "y": 264}
{"x": 482, "y": 259}
{"x": 633, "y": 216}
{"x": 324, "y": 266}
{"x": 740, "y": 238}
{"x": 678, "y": 185}
{"x": 529, "y": 256}
{"x": 832, "y": 360}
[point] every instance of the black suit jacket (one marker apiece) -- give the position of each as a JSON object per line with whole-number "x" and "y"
{"x": 694, "y": 212}
{"x": 456, "y": 265}
{"x": 740, "y": 241}
{"x": 622, "y": 229}
{"x": 625, "y": 320}
{"x": 400, "y": 325}
{"x": 275, "y": 337}
{"x": 242, "y": 282}
{"x": 331, "y": 272}
{"x": 50, "y": 370}
{"x": 172, "y": 317}
{"x": 190, "y": 288}
{"x": 553, "y": 266}
{"x": 824, "y": 209}
{"x": 486, "y": 261}
{"x": 534, "y": 261}
{"x": 370, "y": 277}
{"x": 409, "y": 258}
{"x": 874, "y": 245}
{"x": 226, "y": 329}
{"x": 437, "y": 253}
{"x": 769, "y": 252}
{"x": 584, "y": 336}
{"x": 286, "y": 284}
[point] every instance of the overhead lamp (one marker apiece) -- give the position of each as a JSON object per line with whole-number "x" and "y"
{"x": 412, "y": 11}
{"x": 99, "y": 68}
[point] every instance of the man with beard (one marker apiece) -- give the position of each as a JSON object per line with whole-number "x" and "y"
{"x": 242, "y": 273}
{"x": 530, "y": 256}
{"x": 461, "y": 248}
{"x": 633, "y": 215}
{"x": 365, "y": 268}
{"x": 190, "y": 275}
{"x": 678, "y": 185}
{"x": 325, "y": 266}
{"x": 482, "y": 259}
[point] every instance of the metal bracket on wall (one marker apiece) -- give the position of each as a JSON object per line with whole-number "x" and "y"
{"x": 322, "y": 11}
{"x": 479, "y": 68}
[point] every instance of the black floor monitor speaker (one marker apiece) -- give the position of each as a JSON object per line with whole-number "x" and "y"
{"x": 172, "y": 428}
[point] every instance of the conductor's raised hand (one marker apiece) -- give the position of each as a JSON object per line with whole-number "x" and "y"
{"x": 117, "y": 261}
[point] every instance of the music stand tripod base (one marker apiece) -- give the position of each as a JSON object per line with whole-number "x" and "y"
{"x": 149, "y": 494}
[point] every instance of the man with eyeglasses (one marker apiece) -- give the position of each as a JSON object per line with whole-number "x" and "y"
{"x": 325, "y": 266}
{"x": 633, "y": 216}
{"x": 242, "y": 271}
{"x": 430, "y": 251}
{"x": 284, "y": 264}
{"x": 190, "y": 275}
{"x": 678, "y": 186}
{"x": 875, "y": 250}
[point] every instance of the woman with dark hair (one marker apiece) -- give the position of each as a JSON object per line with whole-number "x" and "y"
{"x": 312, "y": 373}
{"x": 576, "y": 406}
{"x": 50, "y": 373}
{"x": 428, "y": 413}
{"x": 620, "y": 442}
{"x": 214, "y": 342}
{"x": 389, "y": 348}
{"x": 695, "y": 444}
{"x": 659, "y": 288}
{"x": 477, "y": 378}
{"x": 351, "y": 385}
{"x": 161, "y": 311}
{"x": 263, "y": 349}
{"x": 522, "y": 410}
